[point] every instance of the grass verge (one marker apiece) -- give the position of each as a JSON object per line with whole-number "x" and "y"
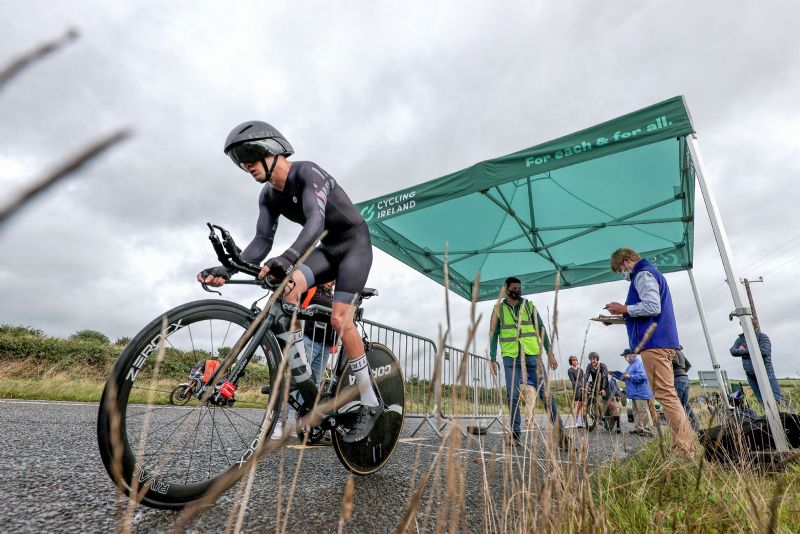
{"x": 645, "y": 493}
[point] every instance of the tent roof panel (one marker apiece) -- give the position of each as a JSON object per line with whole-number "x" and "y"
{"x": 562, "y": 205}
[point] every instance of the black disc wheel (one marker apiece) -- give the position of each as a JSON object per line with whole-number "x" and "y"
{"x": 370, "y": 455}
{"x": 161, "y": 440}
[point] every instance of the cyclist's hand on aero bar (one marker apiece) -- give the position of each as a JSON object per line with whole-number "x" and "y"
{"x": 278, "y": 266}
{"x": 214, "y": 276}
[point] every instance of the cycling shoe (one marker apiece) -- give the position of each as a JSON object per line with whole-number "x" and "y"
{"x": 366, "y": 418}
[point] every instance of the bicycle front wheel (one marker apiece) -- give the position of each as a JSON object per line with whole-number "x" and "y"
{"x": 180, "y": 395}
{"x": 592, "y": 415}
{"x": 174, "y": 454}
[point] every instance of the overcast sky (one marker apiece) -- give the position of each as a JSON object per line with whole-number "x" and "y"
{"x": 383, "y": 96}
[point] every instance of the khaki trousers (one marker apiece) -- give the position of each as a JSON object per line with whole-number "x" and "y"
{"x": 658, "y": 365}
{"x": 641, "y": 416}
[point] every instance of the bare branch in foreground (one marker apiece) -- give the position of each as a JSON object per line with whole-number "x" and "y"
{"x": 26, "y": 60}
{"x": 62, "y": 171}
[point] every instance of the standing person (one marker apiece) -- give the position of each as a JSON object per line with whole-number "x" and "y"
{"x": 680, "y": 369}
{"x": 649, "y": 302}
{"x": 318, "y": 335}
{"x": 595, "y": 385}
{"x": 575, "y": 374}
{"x": 739, "y": 350}
{"x": 637, "y": 389}
{"x": 597, "y": 374}
{"x": 613, "y": 409}
{"x": 304, "y": 193}
{"x": 513, "y": 328}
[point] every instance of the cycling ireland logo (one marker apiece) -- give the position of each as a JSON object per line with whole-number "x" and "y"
{"x": 389, "y": 206}
{"x": 368, "y": 213}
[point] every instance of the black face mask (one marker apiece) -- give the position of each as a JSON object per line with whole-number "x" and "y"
{"x": 515, "y": 294}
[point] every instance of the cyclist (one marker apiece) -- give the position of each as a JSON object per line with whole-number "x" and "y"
{"x": 304, "y": 193}
{"x": 597, "y": 375}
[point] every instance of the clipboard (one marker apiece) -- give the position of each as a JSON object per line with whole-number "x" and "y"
{"x": 609, "y": 319}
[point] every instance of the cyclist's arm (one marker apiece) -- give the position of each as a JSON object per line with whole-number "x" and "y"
{"x": 315, "y": 198}
{"x": 266, "y": 226}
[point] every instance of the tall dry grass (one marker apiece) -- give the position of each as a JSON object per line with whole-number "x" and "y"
{"x": 543, "y": 487}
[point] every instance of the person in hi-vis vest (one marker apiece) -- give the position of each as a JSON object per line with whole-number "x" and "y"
{"x": 205, "y": 370}
{"x": 514, "y": 330}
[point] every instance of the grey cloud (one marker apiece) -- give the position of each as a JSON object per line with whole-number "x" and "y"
{"x": 383, "y": 99}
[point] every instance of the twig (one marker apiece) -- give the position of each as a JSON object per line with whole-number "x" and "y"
{"x": 62, "y": 171}
{"x": 347, "y": 505}
{"x": 26, "y": 60}
{"x": 775, "y": 506}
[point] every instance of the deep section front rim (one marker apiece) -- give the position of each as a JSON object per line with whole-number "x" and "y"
{"x": 176, "y": 453}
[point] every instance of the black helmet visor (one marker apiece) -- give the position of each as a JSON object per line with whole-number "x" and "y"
{"x": 248, "y": 152}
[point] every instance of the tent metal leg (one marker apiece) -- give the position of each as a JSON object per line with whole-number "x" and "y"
{"x": 723, "y": 389}
{"x": 739, "y": 300}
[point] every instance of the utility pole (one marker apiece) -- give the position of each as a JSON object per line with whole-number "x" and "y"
{"x": 747, "y": 283}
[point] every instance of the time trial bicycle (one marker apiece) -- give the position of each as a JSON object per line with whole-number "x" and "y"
{"x": 175, "y": 454}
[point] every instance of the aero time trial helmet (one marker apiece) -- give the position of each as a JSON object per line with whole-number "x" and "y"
{"x": 253, "y": 141}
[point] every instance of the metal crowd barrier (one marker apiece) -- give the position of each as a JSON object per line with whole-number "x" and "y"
{"x": 480, "y": 403}
{"x": 478, "y": 396}
{"x": 416, "y": 355}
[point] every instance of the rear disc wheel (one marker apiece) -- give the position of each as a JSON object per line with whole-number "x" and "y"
{"x": 370, "y": 455}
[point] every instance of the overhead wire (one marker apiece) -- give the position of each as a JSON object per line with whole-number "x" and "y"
{"x": 765, "y": 260}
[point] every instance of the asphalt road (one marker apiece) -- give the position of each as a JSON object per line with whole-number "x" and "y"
{"x": 52, "y": 479}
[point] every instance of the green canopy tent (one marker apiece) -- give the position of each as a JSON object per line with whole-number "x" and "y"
{"x": 562, "y": 207}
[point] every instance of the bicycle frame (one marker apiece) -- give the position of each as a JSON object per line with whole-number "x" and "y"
{"x": 265, "y": 325}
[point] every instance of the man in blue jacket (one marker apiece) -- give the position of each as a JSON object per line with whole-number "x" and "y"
{"x": 637, "y": 390}
{"x": 739, "y": 350}
{"x": 649, "y": 303}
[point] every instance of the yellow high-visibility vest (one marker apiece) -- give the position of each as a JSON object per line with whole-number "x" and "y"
{"x": 509, "y": 339}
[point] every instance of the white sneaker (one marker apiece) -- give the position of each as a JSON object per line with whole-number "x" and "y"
{"x": 277, "y": 433}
